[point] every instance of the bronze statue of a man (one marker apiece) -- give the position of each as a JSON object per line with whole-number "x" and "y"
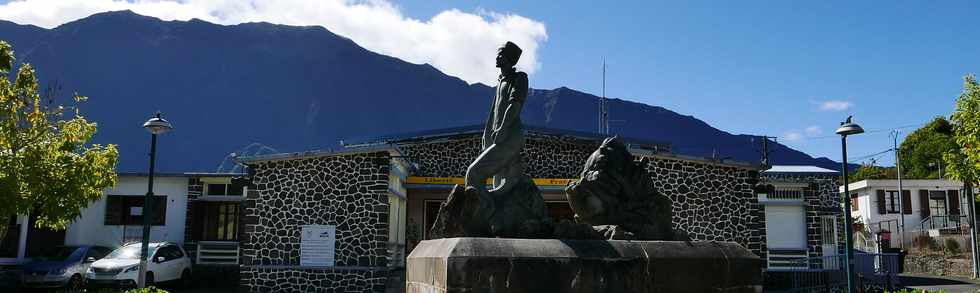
{"x": 503, "y": 136}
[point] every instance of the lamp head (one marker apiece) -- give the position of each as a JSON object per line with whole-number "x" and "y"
{"x": 157, "y": 125}
{"x": 849, "y": 128}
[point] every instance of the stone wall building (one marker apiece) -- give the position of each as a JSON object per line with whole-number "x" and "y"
{"x": 381, "y": 194}
{"x": 803, "y": 207}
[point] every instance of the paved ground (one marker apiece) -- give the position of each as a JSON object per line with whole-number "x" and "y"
{"x": 933, "y": 284}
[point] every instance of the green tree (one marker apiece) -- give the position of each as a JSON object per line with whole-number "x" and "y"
{"x": 923, "y": 149}
{"x": 871, "y": 170}
{"x": 47, "y": 168}
{"x": 963, "y": 163}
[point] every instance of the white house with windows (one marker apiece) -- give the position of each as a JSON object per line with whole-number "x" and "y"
{"x": 925, "y": 204}
{"x": 117, "y": 218}
{"x": 198, "y": 210}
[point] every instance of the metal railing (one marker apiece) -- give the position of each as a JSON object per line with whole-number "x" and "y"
{"x": 944, "y": 222}
{"x": 217, "y": 253}
{"x": 783, "y": 194}
{"x": 822, "y": 274}
{"x": 783, "y": 259}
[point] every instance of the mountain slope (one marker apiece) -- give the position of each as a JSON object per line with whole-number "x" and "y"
{"x": 287, "y": 88}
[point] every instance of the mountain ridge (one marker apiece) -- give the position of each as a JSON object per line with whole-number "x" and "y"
{"x": 296, "y": 88}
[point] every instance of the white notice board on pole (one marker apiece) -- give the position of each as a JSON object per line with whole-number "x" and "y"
{"x": 316, "y": 247}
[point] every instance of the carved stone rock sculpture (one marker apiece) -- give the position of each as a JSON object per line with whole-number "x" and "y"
{"x": 615, "y": 196}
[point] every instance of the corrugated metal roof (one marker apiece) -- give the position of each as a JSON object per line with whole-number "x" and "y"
{"x": 799, "y": 169}
{"x": 318, "y": 153}
{"x": 474, "y": 129}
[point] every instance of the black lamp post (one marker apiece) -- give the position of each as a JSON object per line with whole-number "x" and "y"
{"x": 155, "y": 125}
{"x": 848, "y": 128}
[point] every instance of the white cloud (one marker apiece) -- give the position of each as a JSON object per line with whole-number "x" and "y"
{"x": 795, "y": 135}
{"x": 813, "y": 131}
{"x": 792, "y": 135}
{"x": 835, "y": 105}
{"x": 458, "y": 43}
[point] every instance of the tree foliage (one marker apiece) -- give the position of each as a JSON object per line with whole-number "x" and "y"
{"x": 871, "y": 170}
{"x": 47, "y": 167}
{"x": 964, "y": 163}
{"x": 923, "y": 149}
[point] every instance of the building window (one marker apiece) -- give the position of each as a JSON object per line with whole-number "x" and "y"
{"x": 937, "y": 202}
{"x": 220, "y": 221}
{"x": 231, "y": 188}
{"x": 892, "y": 205}
{"x": 128, "y": 209}
{"x": 854, "y": 203}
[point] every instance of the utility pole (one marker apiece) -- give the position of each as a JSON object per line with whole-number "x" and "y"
{"x": 901, "y": 192}
{"x": 765, "y": 148}
{"x": 972, "y": 210}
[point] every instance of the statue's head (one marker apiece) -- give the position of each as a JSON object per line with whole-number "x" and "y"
{"x": 508, "y": 54}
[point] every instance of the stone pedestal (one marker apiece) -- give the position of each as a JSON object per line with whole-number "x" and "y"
{"x": 551, "y": 265}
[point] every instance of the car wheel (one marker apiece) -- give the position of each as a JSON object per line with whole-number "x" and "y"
{"x": 185, "y": 279}
{"x": 149, "y": 279}
{"x": 76, "y": 282}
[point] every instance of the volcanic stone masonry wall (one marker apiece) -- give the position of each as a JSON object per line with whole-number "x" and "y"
{"x": 546, "y": 156}
{"x": 710, "y": 201}
{"x": 349, "y": 191}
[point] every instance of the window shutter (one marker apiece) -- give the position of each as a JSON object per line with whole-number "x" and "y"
{"x": 113, "y": 210}
{"x": 907, "y": 202}
{"x": 881, "y": 202}
{"x": 924, "y": 203}
{"x": 954, "y": 201}
{"x": 159, "y": 210}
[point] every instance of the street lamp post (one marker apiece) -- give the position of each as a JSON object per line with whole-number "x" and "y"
{"x": 848, "y": 128}
{"x": 156, "y": 125}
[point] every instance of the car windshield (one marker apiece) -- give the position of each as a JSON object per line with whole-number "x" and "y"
{"x": 129, "y": 252}
{"x": 60, "y": 253}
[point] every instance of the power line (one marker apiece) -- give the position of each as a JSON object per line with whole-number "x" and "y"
{"x": 874, "y": 155}
{"x": 865, "y": 132}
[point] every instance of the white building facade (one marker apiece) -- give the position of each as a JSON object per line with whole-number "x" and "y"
{"x": 117, "y": 217}
{"x": 924, "y": 205}
{"x": 192, "y": 209}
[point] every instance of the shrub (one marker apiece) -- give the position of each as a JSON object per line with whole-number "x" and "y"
{"x": 951, "y": 246}
{"x": 924, "y": 242}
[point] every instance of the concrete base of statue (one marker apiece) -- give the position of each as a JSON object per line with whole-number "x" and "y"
{"x": 551, "y": 265}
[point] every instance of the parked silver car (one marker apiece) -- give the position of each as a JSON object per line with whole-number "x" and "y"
{"x": 63, "y": 266}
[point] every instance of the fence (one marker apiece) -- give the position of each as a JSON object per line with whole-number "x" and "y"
{"x": 822, "y": 274}
{"x": 944, "y": 222}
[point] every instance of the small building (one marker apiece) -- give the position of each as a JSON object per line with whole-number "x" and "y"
{"x": 194, "y": 209}
{"x": 925, "y": 204}
{"x": 803, "y": 215}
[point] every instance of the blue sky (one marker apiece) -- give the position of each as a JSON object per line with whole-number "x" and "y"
{"x": 761, "y": 67}
{"x": 752, "y": 67}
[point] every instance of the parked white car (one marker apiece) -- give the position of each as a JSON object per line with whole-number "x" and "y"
{"x": 167, "y": 262}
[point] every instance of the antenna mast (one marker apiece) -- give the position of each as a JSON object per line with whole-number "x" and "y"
{"x": 604, "y": 104}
